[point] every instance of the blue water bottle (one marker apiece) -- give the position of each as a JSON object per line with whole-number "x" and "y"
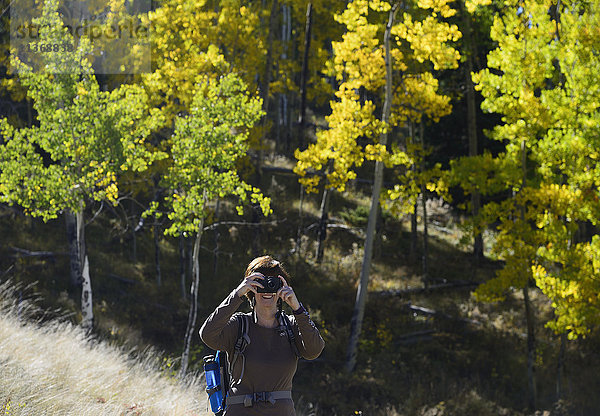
{"x": 212, "y": 371}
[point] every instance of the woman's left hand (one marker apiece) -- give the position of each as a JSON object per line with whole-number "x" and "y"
{"x": 287, "y": 294}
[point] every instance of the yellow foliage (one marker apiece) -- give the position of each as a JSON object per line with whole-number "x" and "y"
{"x": 428, "y": 40}
{"x": 440, "y": 6}
{"x": 471, "y": 5}
{"x": 420, "y": 47}
{"x": 185, "y": 41}
{"x": 349, "y": 120}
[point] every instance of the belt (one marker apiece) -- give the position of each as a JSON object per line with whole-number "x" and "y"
{"x": 264, "y": 396}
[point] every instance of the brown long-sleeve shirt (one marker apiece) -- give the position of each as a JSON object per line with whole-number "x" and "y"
{"x": 270, "y": 363}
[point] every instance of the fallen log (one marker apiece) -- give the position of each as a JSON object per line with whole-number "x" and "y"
{"x": 414, "y": 309}
{"x": 21, "y": 252}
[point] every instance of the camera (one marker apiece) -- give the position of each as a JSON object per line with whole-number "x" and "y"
{"x": 271, "y": 284}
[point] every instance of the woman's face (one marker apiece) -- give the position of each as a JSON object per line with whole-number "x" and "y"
{"x": 266, "y": 300}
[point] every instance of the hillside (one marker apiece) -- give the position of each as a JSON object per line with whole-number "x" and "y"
{"x": 432, "y": 351}
{"x": 54, "y": 369}
{"x": 454, "y": 144}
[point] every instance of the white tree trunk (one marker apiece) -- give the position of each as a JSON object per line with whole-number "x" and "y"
{"x": 182, "y": 266}
{"x": 299, "y": 232}
{"x": 87, "y": 314}
{"x": 361, "y": 294}
{"x": 193, "y": 314}
{"x": 322, "y": 230}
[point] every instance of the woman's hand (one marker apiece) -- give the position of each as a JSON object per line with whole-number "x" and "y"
{"x": 249, "y": 284}
{"x": 287, "y": 294}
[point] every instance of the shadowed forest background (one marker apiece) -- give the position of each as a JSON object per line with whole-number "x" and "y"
{"x": 425, "y": 171}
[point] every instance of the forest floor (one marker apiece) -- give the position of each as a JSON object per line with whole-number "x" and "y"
{"x": 426, "y": 351}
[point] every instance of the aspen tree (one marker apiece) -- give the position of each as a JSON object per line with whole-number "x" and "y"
{"x": 419, "y": 42}
{"x": 543, "y": 80}
{"x": 88, "y": 137}
{"x": 206, "y": 145}
{"x": 553, "y": 106}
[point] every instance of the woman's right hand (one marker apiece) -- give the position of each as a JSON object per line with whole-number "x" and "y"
{"x": 249, "y": 284}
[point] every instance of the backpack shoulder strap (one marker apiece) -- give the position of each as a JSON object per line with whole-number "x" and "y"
{"x": 242, "y": 339}
{"x": 284, "y": 321}
{"x": 241, "y": 343}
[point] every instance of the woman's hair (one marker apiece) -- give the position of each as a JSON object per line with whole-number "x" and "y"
{"x": 267, "y": 266}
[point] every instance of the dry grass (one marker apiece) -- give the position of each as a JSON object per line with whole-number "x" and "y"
{"x": 55, "y": 369}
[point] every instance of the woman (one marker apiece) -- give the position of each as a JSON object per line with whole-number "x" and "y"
{"x": 261, "y": 381}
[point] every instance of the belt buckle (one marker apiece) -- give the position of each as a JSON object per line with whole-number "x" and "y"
{"x": 261, "y": 396}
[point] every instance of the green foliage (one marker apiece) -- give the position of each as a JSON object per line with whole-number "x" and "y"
{"x": 551, "y": 111}
{"x": 85, "y": 139}
{"x": 411, "y": 178}
{"x": 488, "y": 174}
{"x": 357, "y": 216}
{"x": 206, "y": 146}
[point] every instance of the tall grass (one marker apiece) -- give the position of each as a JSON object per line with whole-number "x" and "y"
{"x": 55, "y": 369}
